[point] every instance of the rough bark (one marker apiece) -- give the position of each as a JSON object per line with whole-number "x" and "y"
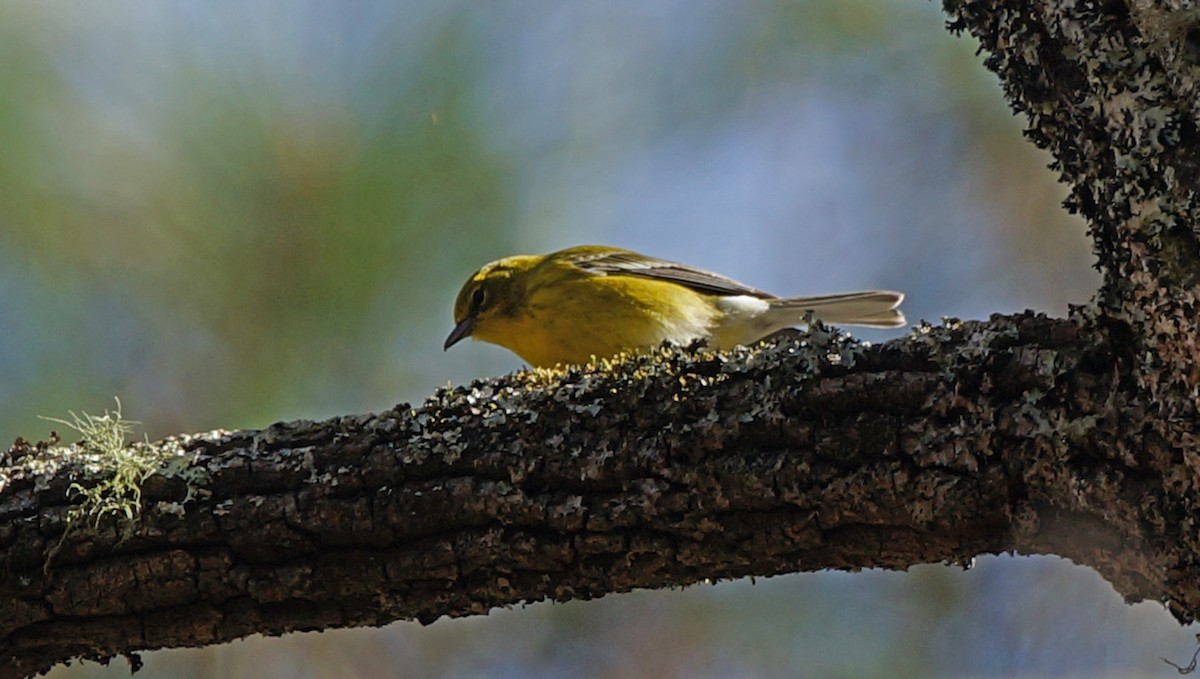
{"x": 1110, "y": 89}
{"x": 663, "y": 470}
{"x": 1072, "y": 436}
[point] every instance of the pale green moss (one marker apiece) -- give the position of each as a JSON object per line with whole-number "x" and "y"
{"x": 118, "y": 468}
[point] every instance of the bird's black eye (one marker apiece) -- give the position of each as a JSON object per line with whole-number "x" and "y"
{"x": 477, "y": 299}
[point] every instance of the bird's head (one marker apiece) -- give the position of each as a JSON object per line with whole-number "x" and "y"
{"x": 492, "y": 292}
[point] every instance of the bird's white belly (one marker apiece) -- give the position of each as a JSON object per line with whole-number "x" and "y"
{"x": 744, "y": 319}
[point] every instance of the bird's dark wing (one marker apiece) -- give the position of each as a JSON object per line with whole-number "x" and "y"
{"x": 628, "y": 263}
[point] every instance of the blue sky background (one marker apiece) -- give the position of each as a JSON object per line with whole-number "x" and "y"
{"x": 232, "y": 213}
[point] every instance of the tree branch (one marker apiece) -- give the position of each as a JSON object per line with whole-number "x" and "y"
{"x": 662, "y": 470}
{"x": 1110, "y": 88}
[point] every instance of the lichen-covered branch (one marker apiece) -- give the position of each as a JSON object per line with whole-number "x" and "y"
{"x": 659, "y": 470}
{"x": 1110, "y": 88}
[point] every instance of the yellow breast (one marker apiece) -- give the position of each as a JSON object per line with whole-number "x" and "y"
{"x": 570, "y": 320}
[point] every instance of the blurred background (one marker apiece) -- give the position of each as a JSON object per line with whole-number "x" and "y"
{"x": 232, "y": 213}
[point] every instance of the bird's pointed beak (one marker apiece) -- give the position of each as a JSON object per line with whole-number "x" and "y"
{"x": 460, "y": 331}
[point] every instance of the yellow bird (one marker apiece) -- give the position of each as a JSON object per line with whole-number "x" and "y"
{"x": 593, "y": 300}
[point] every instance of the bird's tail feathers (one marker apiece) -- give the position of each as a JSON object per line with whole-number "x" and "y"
{"x": 871, "y": 309}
